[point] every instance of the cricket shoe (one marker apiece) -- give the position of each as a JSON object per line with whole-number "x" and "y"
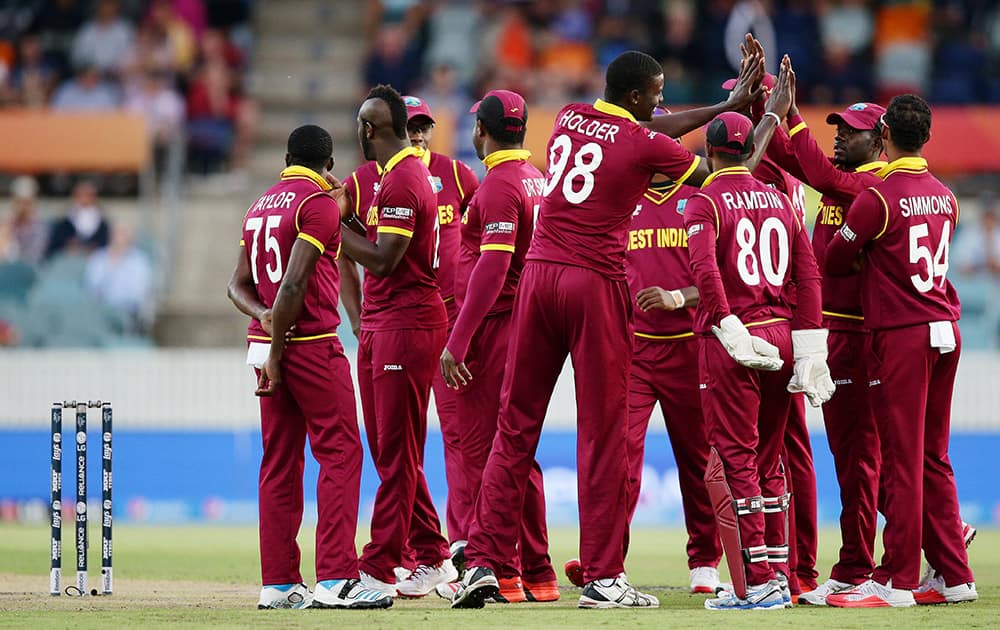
{"x": 348, "y": 594}
{"x": 425, "y": 578}
{"x": 511, "y": 592}
{"x": 375, "y": 584}
{"x": 763, "y": 597}
{"x": 457, "y": 551}
{"x": 574, "y": 571}
{"x": 401, "y": 573}
{"x": 615, "y": 593}
{"x": 871, "y": 594}
{"x": 930, "y": 573}
{"x": 446, "y": 591}
{"x": 704, "y": 580}
{"x": 786, "y": 592}
{"x": 478, "y": 585}
{"x": 817, "y": 596}
{"x": 544, "y": 591}
{"x": 276, "y": 596}
{"x": 935, "y": 592}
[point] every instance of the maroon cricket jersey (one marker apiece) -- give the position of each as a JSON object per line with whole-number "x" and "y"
{"x": 600, "y": 162}
{"x": 454, "y": 183}
{"x": 746, "y": 243}
{"x": 657, "y": 255}
{"x": 405, "y": 204}
{"x": 297, "y": 207}
{"x": 501, "y": 217}
{"x": 904, "y": 227}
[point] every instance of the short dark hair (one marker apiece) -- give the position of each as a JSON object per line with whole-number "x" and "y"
{"x": 909, "y": 120}
{"x": 310, "y": 146}
{"x": 631, "y": 70}
{"x": 397, "y": 107}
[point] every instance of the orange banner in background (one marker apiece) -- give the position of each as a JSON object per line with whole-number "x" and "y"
{"x": 964, "y": 140}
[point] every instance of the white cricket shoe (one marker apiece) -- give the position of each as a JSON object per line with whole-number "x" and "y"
{"x": 930, "y": 573}
{"x": 284, "y": 596}
{"x": 447, "y": 591}
{"x": 457, "y": 551}
{"x": 348, "y": 594}
{"x": 615, "y": 593}
{"x": 376, "y": 584}
{"x": 478, "y": 585}
{"x": 425, "y": 578}
{"x": 872, "y": 594}
{"x": 704, "y": 580}
{"x": 401, "y": 573}
{"x": 817, "y": 596}
{"x": 935, "y": 592}
{"x": 761, "y": 597}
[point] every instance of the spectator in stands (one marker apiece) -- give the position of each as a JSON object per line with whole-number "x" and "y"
{"x": 86, "y": 91}
{"x": 220, "y": 119}
{"x": 152, "y": 51}
{"x": 23, "y": 235}
{"x": 903, "y": 54}
{"x": 182, "y": 38}
{"x": 56, "y": 23}
{"x": 84, "y": 228}
{"x": 121, "y": 276}
{"x": 104, "y": 40}
{"x": 154, "y": 98}
{"x": 976, "y": 249}
{"x": 34, "y": 76}
{"x": 394, "y": 60}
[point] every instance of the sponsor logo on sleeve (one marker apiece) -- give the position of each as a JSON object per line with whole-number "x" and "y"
{"x": 694, "y": 229}
{"x": 499, "y": 227}
{"x": 848, "y": 233}
{"x": 392, "y": 367}
{"x": 395, "y": 212}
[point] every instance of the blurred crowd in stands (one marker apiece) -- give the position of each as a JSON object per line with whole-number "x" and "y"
{"x": 554, "y": 50}
{"x": 180, "y": 64}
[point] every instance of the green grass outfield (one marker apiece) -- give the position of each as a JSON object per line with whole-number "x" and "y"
{"x": 207, "y": 576}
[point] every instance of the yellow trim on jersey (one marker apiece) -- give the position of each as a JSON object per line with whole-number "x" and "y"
{"x": 499, "y": 157}
{"x": 310, "y": 338}
{"x": 301, "y": 172}
{"x": 496, "y": 247}
{"x": 458, "y": 181}
{"x": 425, "y": 157}
{"x": 885, "y": 204}
{"x": 605, "y": 107}
{"x": 357, "y": 188}
{"x": 378, "y": 168}
{"x": 715, "y": 209}
{"x": 860, "y": 318}
{"x": 298, "y": 208}
{"x": 448, "y": 299}
{"x": 663, "y": 337}
{"x": 313, "y": 241}
{"x": 660, "y": 197}
{"x": 388, "y": 229}
{"x": 766, "y": 321}
{"x": 243, "y": 243}
{"x": 400, "y": 156}
{"x": 729, "y": 170}
{"x": 871, "y": 166}
{"x": 908, "y": 164}
{"x": 694, "y": 166}
{"x": 797, "y": 128}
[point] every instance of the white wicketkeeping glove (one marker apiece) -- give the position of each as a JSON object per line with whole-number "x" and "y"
{"x": 811, "y": 375}
{"x": 753, "y": 352}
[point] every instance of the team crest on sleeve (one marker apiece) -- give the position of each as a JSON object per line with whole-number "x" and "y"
{"x": 436, "y": 184}
{"x": 680, "y": 206}
{"x": 694, "y": 229}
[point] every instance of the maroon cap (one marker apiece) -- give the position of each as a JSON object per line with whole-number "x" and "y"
{"x": 502, "y": 107}
{"x": 730, "y": 132}
{"x": 416, "y": 107}
{"x": 860, "y": 116}
{"x": 769, "y": 81}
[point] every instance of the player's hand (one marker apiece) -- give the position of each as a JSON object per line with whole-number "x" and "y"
{"x": 339, "y": 194}
{"x": 455, "y": 374}
{"x": 811, "y": 374}
{"x": 748, "y": 86}
{"x": 270, "y": 376}
{"x": 783, "y": 93}
{"x": 752, "y": 352}
{"x": 793, "y": 108}
{"x": 356, "y": 328}
{"x": 268, "y": 325}
{"x": 655, "y": 298}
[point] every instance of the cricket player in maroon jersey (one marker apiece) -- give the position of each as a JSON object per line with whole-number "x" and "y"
{"x": 746, "y": 242}
{"x": 797, "y": 458}
{"x": 573, "y": 299}
{"x": 902, "y": 228}
{"x": 496, "y": 234}
{"x": 455, "y": 184}
{"x": 286, "y": 281}
{"x": 850, "y": 425}
{"x": 664, "y": 350}
{"x": 403, "y": 327}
